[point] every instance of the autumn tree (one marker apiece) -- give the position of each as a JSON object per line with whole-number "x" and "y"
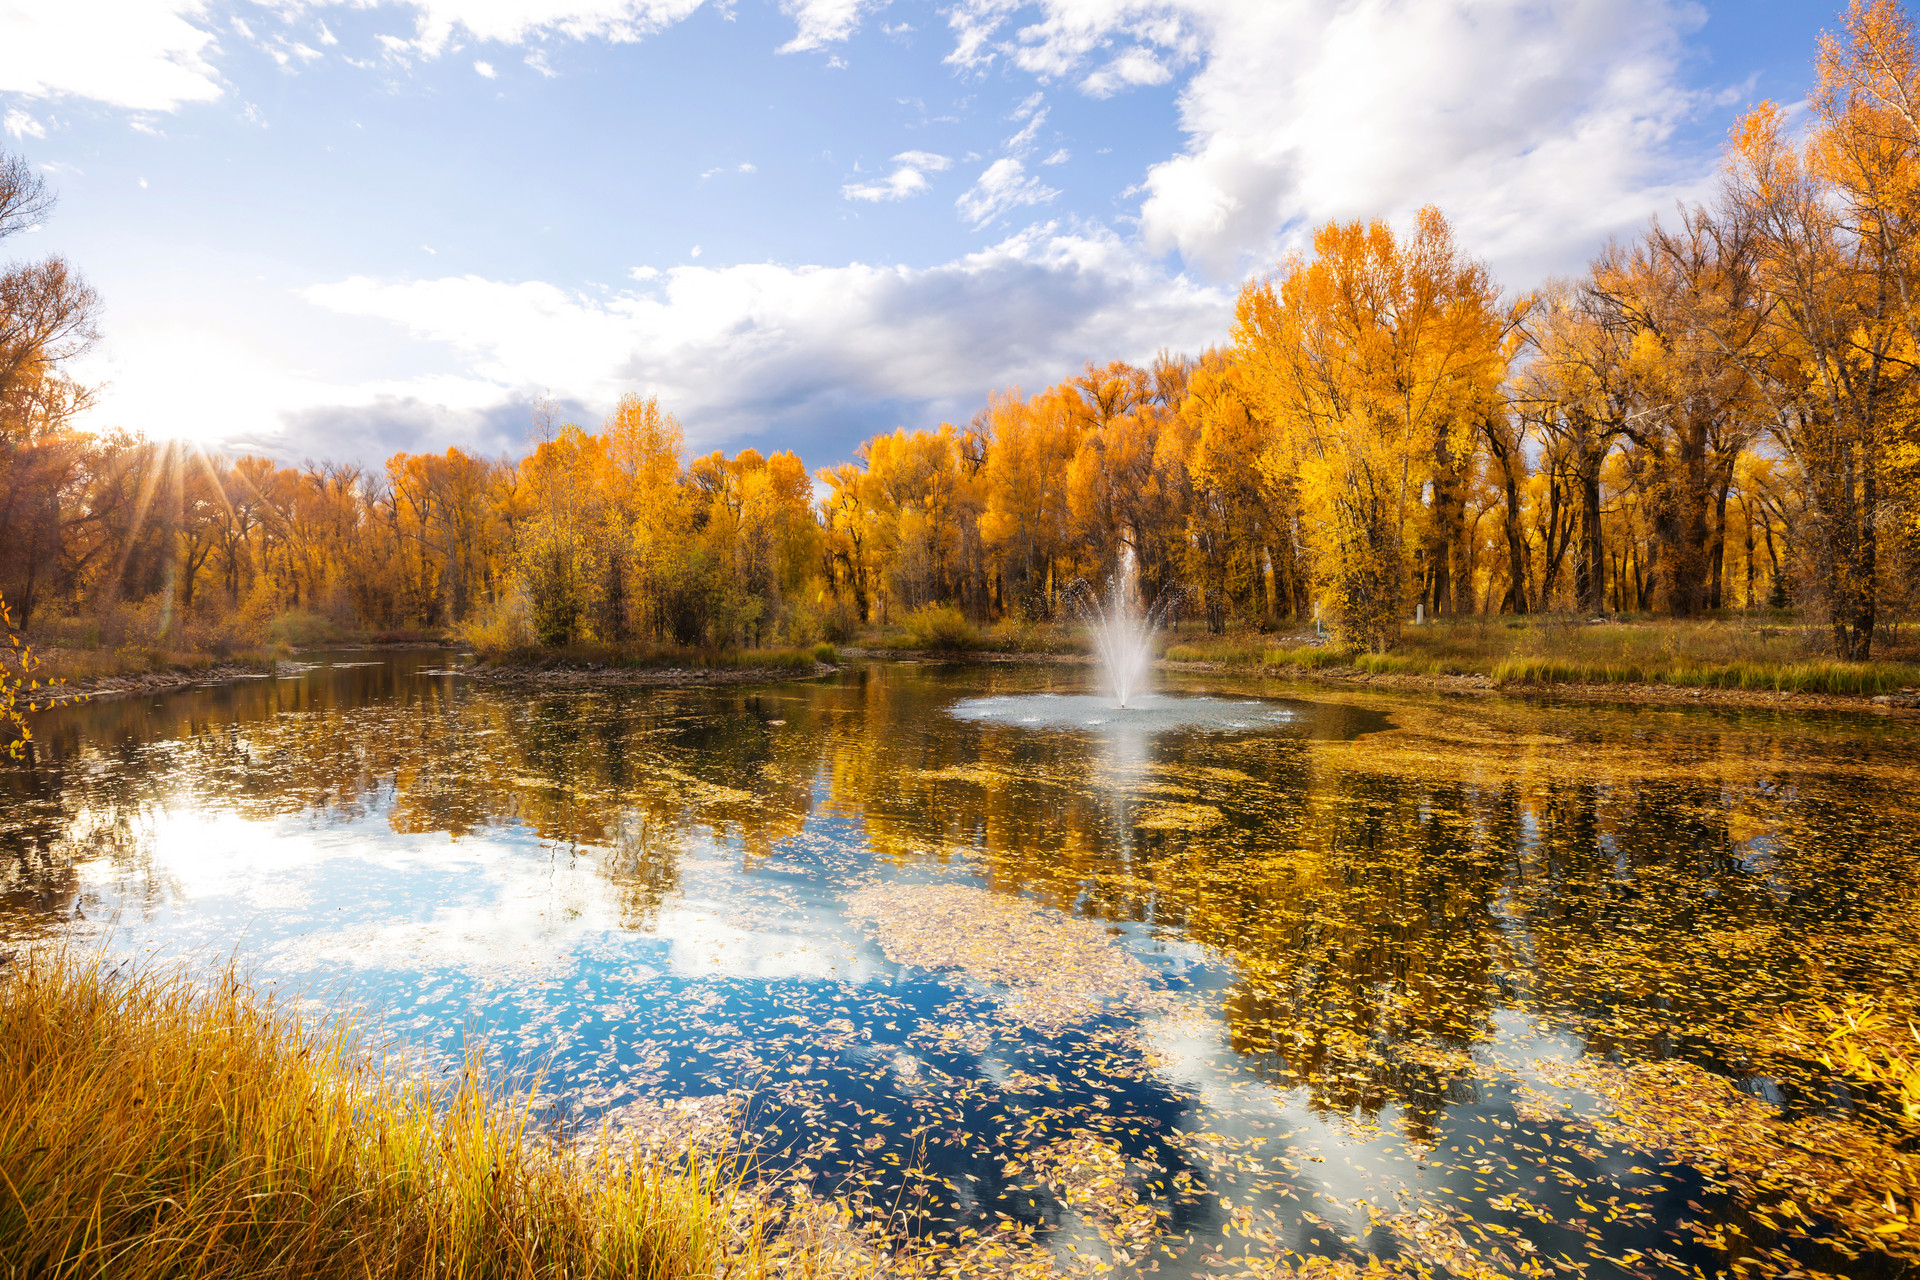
{"x": 1366, "y": 358}
{"x": 1835, "y": 219}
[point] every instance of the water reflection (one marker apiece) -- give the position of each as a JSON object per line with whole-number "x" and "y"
{"x": 1316, "y": 955}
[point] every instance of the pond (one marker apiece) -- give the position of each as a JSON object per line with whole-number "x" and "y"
{"x": 1259, "y": 975}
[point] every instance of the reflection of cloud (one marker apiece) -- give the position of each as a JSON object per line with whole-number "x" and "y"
{"x": 498, "y": 901}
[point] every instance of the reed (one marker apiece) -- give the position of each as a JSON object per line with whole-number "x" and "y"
{"x": 1710, "y": 653}
{"x": 153, "y": 1126}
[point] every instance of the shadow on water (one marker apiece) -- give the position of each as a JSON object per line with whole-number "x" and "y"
{"x": 1269, "y": 968}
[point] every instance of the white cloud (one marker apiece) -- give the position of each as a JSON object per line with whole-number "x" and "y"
{"x": 144, "y": 57}
{"x": 735, "y": 351}
{"x": 485, "y": 69}
{"x": 909, "y": 179}
{"x": 156, "y": 55}
{"x": 924, "y": 160}
{"x": 897, "y": 185}
{"x": 948, "y": 330}
{"x": 1540, "y": 129}
{"x": 1005, "y": 185}
{"x": 1020, "y": 142}
{"x": 21, "y": 125}
{"x": 1059, "y": 157}
{"x": 437, "y": 22}
{"x": 1137, "y": 66}
{"x": 824, "y": 22}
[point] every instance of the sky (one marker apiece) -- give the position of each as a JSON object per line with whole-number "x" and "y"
{"x": 336, "y": 230}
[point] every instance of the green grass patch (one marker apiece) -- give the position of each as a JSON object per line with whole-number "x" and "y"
{"x": 1852, "y": 679}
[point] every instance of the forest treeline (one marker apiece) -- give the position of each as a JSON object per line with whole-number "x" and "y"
{"x": 1719, "y": 414}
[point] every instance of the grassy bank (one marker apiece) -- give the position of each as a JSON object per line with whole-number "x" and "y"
{"x": 1715, "y": 654}
{"x": 151, "y": 1127}
{"x": 659, "y": 657}
{"x": 81, "y": 667}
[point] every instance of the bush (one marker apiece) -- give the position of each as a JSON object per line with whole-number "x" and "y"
{"x": 304, "y": 629}
{"x": 824, "y": 652}
{"x": 939, "y": 627}
{"x": 504, "y": 627}
{"x": 838, "y": 624}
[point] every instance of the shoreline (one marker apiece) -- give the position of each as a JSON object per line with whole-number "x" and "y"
{"x": 595, "y": 675}
{"x": 1476, "y": 685}
{"x": 599, "y": 675}
{"x": 108, "y": 688}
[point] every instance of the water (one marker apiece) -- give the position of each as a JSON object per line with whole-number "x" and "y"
{"x": 1249, "y": 969}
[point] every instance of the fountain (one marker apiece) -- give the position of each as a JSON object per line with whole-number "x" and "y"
{"x": 1122, "y": 629}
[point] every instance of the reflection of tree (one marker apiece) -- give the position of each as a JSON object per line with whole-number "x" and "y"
{"x": 643, "y": 863}
{"x": 430, "y": 755}
{"x": 1657, "y": 891}
{"x": 1654, "y": 892}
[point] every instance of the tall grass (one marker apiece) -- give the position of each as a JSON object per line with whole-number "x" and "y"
{"x": 153, "y": 1127}
{"x": 1255, "y": 653}
{"x": 78, "y": 665}
{"x": 938, "y": 627}
{"x": 1859, "y": 679}
{"x": 1709, "y": 654}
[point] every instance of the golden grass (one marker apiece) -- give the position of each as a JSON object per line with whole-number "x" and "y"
{"x": 1730, "y": 654}
{"x": 151, "y": 1126}
{"x": 77, "y": 665}
{"x": 1255, "y": 652}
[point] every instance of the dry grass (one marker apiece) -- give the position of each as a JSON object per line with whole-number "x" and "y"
{"x": 154, "y": 1127}
{"x": 1719, "y": 654}
{"x": 76, "y": 666}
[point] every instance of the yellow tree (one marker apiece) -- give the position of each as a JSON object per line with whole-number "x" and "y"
{"x": 1367, "y": 359}
{"x": 1835, "y": 222}
{"x": 1025, "y": 521}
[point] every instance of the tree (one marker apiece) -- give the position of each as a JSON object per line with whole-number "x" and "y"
{"x": 1367, "y": 359}
{"x": 1835, "y": 225}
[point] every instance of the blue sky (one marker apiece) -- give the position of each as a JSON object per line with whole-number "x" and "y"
{"x": 342, "y": 229}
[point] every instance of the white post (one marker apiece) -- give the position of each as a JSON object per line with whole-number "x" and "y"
{"x": 1420, "y": 613}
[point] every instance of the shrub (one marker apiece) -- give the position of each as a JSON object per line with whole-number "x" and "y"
{"x": 303, "y": 629}
{"x": 503, "y": 628}
{"x": 939, "y": 627}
